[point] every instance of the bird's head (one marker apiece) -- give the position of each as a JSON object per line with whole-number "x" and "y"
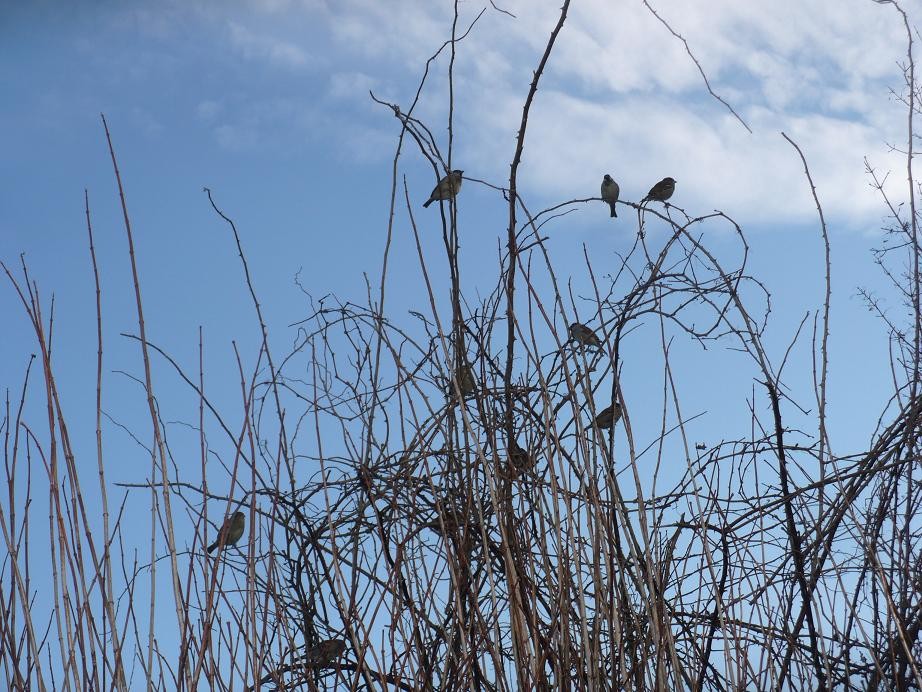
{"x": 457, "y": 173}
{"x": 607, "y": 178}
{"x": 671, "y": 181}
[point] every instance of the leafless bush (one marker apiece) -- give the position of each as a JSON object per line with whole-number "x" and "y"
{"x": 432, "y": 503}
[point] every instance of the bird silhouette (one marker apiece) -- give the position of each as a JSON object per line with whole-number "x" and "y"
{"x": 325, "y": 652}
{"x": 448, "y": 187}
{"x": 584, "y": 335}
{"x": 230, "y": 532}
{"x": 466, "y": 383}
{"x": 519, "y": 459}
{"x": 608, "y": 417}
{"x": 610, "y": 192}
{"x": 661, "y": 191}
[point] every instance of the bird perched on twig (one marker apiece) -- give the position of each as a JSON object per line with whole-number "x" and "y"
{"x": 610, "y": 192}
{"x": 661, "y": 191}
{"x": 584, "y": 335}
{"x": 448, "y": 187}
{"x": 230, "y": 532}
{"x": 466, "y": 382}
{"x": 519, "y": 459}
{"x": 318, "y": 657}
{"x": 325, "y": 652}
{"x": 451, "y": 520}
{"x": 608, "y": 417}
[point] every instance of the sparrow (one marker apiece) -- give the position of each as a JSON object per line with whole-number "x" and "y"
{"x": 610, "y": 192}
{"x": 447, "y": 188}
{"x": 325, "y": 652}
{"x": 661, "y": 191}
{"x": 584, "y": 335}
{"x": 608, "y": 417}
{"x": 519, "y": 459}
{"x": 319, "y": 656}
{"x": 230, "y": 532}
{"x": 452, "y": 521}
{"x": 466, "y": 383}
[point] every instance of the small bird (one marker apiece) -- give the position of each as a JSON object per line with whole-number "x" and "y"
{"x": 608, "y": 417}
{"x": 325, "y": 652}
{"x": 466, "y": 382}
{"x": 448, "y": 187}
{"x": 230, "y": 532}
{"x": 452, "y": 520}
{"x": 519, "y": 459}
{"x": 661, "y": 191}
{"x": 584, "y": 335}
{"x": 610, "y": 192}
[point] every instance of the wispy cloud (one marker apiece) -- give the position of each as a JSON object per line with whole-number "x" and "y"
{"x": 267, "y": 125}
{"x": 269, "y": 48}
{"x": 351, "y": 86}
{"x": 620, "y": 94}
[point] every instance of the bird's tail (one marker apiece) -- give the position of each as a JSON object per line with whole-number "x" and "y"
{"x": 428, "y": 203}
{"x": 613, "y": 212}
{"x": 211, "y": 548}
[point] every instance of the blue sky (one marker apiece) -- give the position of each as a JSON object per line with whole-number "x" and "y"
{"x": 267, "y": 104}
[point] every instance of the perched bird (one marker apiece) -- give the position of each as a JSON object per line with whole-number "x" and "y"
{"x": 608, "y": 417}
{"x": 325, "y": 652}
{"x": 661, "y": 191}
{"x": 447, "y": 188}
{"x": 452, "y": 520}
{"x": 610, "y": 192}
{"x": 231, "y": 532}
{"x": 466, "y": 382}
{"x": 584, "y": 335}
{"x": 519, "y": 459}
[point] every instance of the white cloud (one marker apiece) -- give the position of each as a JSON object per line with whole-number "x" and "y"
{"x": 406, "y": 30}
{"x": 640, "y": 139}
{"x": 620, "y": 94}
